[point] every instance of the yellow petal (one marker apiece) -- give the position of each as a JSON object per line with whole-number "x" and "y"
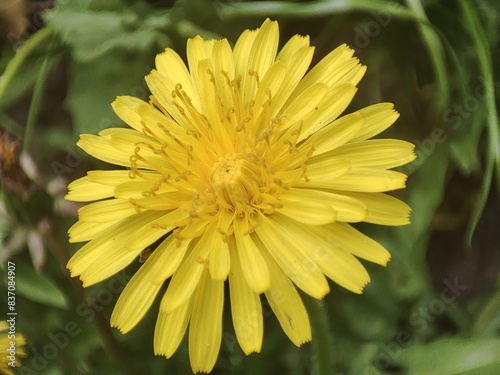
{"x": 246, "y": 309}
{"x": 195, "y": 228}
{"x": 343, "y": 268}
{"x": 157, "y": 228}
{"x": 331, "y": 106}
{"x": 105, "y": 255}
{"x": 166, "y": 130}
{"x": 253, "y": 266}
{"x": 269, "y": 84}
{"x": 106, "y": 265}
{"x": 160, "y": 90}
{"x": 171, "y": 66}
{"x": 376, "y": 153}
{"x": 297, "y": 63}
{"x": 303, "y": 104}
{"x": 113, "y": 260}
{"x": 135, "y": 299}
{"x": 349, "y": 71}
{"x": 83, "y": 190}
{"x": 332, "y": 71}
{"x": 165, "y": 259}
{"x": 127, "y": 140}
{"x": 262, "y": 55}
{"x": 188, "y": 275}
{"x": 219, "y": 261}
{"x": 126, "y": 108}
{"x": 99, "y": 148}
{"x": 84, "y": 231}
{"x": 378, "y": 117}
{"x": 383, "y": 209}
{"x": 335, "y": 134}
{"x": 287, "y": 305}
{"x": 105, "y": 211}
{"x": 213, "y": 112}
{"x": 182, "y": 285}
{"x": 335, "y": 262}
{"x": 345, "y": 208}
{"x": 326, "y": 170}
{"x": 289, "y": 50}
{"x": 197, "y": 50}
{"x": 114, "y": 178}
{"x": 163, "y": 201}
{"x": 356, "y": 243}
{"x": 138, "y": 189}
{"x": 241, "y": 52}
{"x": 223, "y": 62}
{"x": 294, "y": 261}
{"x": 170, "y": 329}
{"x": 307, "y": 212}
{"x": 147, "y": 153}
{"x": 205, "y": 329}
{"x": 363, "y": 180}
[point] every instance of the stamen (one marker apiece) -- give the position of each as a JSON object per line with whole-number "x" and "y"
{"x": 254, "y": 74}
{"x": 161, "y": 226}
{"x": 189, "y": 148}
{"x": 203, "y": 261}
{"x": 183, "y": 175}
{"x": 137, "y": 207}
{"x": 304, "y": 174}
{"x": 267, "y": 103}
{"x": 241, "y": 124}
{"x": 211, "y": 75}
{"x": 153, "y": 101}
{"x": 194, "y": 133}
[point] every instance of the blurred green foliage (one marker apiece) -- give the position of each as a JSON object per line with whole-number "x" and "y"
{"x": 434, "y": 310}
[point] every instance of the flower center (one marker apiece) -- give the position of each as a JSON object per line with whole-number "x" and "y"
{"x": 235, "y": 182}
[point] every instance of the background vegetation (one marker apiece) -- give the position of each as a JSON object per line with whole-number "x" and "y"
{"x": 434, "y": 310}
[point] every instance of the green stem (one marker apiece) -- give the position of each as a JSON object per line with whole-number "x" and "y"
{"x": 485, "y": 64}
{"x": 36, "y": 101}
{"x": 322, "y": 342}
{"x": 436, "y": 52}
{"x": 20, "y": 57}
{"x": 310, "y": 9}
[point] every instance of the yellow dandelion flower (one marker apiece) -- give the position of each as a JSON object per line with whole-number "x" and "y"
{"x": 239, "y": 169}
{"x": 11, "y": 344}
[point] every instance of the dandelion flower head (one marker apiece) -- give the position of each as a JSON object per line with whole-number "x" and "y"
{"x": 241, "y": 170}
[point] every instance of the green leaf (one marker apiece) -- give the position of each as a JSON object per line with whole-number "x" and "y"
{"x": 111, "y": 30}
{"x": 37, "y": 287}
{"x": 95, "y": 85}
{"x": 452, "y": 356}
{"x": 488, "y": 320}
